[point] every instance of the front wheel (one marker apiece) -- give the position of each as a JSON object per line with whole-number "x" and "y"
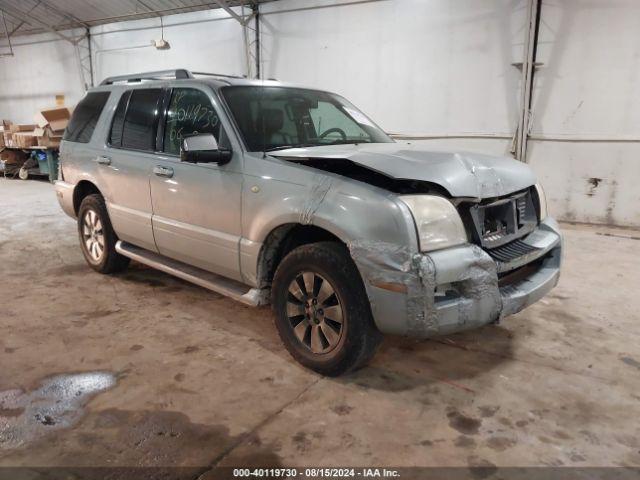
{"x": 322, "y": 312}
{"x": 97, "y": 238}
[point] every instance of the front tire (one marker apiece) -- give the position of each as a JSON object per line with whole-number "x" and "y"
{"x": 322, "y": 312}
{"x": 97, "y": 238}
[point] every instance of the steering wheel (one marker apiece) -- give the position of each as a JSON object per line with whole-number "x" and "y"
{"x": 334, "y": 130}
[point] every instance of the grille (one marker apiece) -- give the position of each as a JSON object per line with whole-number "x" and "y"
{"x": 511, "y": 251}
{"x": 500, "y": 222}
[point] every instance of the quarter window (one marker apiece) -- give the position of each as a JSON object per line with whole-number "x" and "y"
{"x": 85, "y": 117}
{"x": 190, "y": 111}
{"x": 115, "y": 137}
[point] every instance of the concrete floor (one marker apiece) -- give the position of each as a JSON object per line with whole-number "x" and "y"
{"x": 187, "y": 377}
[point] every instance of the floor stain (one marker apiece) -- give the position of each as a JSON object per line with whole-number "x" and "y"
{"x": 57, "y": 403}
{"x": 500, "y": 443}
{"x": 632, "y": 362}
{"x": 463, "y": 423}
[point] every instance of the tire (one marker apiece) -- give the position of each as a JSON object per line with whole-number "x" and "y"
{"x": 316, "y": 338}
{"x": 97, "y": 238}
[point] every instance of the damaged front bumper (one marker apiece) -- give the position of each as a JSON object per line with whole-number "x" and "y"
{"x": 455, "y": 289}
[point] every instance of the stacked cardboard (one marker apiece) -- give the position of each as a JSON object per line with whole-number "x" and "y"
{"x": 6, "y": 133}
{"x": 47, "y": 133}
{"x": 51, "y": 125}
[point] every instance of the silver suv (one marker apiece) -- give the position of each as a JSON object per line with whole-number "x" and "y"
{"x": 272, "y": 193}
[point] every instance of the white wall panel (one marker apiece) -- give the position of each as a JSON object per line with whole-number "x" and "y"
{"x": 42, "y": 67}
{"x": 587, "y": 89}
{"x": 415, "y": 66}
{"x": 208, "y": 41}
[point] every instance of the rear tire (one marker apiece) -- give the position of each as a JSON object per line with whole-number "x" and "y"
{"x": 97, "y": 238}
{"x": 322, "y": 311}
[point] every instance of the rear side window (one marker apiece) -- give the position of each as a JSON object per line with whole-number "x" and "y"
{"x": 140, "y": 120}
{"x": 85, "y": 117}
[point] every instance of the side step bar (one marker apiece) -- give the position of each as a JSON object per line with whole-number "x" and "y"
{"x": 217, "y": 283}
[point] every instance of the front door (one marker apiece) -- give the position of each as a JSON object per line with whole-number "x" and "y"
{"x": 196, "y": 207}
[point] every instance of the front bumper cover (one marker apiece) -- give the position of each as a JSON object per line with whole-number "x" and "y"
{"x": 454, "y": 289}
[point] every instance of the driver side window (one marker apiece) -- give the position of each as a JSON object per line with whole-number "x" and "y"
{"x": 190, "y": 111}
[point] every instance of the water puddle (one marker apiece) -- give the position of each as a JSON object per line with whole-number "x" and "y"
{"x": 58, "y": 403}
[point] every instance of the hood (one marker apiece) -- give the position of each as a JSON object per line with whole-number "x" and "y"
{"x": 462, "y": 174}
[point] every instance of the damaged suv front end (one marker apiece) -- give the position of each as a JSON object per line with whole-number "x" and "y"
{"x": 478, "y": 243}
{"x": 503, "y": 265}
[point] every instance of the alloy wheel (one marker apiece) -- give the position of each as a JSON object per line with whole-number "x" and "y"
{"x": 315, "y": 312}
{"x": 93, "y": 235}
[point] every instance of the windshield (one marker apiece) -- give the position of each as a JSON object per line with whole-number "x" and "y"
{"x": 272, "y": 118}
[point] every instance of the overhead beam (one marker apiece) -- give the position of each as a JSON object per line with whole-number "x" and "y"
{"x": 223, "y": 4}
{"x": 20, "y": 15}
{"x": 63, "y": 13}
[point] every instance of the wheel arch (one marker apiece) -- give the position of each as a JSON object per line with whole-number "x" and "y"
{"x": 283, "y": 239}
{"x": 82, "y": 189}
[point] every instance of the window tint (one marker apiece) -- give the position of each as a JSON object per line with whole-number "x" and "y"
{"x": 85, "y": 117}
{"x": 115, "y": 137}
{"x": 139, "y": 132}
{"x": 278, "y": 117}
{"x": 190, "y": 111}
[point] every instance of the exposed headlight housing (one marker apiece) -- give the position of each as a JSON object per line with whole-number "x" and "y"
{"x": 437, "y": 220}
{"x": 542, "y": 201}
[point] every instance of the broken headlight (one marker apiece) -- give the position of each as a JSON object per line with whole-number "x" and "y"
{"x": 542, "y": 201}
{"x": 437, "y": 220}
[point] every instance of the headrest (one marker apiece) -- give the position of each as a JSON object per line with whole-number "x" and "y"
{"x": 271, "y": 120}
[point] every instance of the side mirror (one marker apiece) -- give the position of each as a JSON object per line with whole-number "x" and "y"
{"x": 203, "y": 148}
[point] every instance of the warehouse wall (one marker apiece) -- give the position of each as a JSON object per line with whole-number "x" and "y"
{"x": 208, "y": 41}
{"x": 587, "y": 110}
{"x": 424, "y": 68}
{"x": 42, "y": 67}
{"x": 417, "y": 67}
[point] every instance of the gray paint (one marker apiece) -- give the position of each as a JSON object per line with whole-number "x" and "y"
{"x": 462, "y": 174}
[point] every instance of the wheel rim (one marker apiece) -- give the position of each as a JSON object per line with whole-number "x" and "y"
{"x": 315, "y": 312}
{"x": 93, "y": 235}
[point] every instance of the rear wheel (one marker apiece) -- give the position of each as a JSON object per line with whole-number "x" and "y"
{"x": 322, "y": 310}
{"x": 97, "y": 238}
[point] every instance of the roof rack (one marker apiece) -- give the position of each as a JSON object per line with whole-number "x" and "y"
{"x": 178, "y": 74}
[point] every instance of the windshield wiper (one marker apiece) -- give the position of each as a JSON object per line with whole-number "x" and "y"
{"x": 286, "y": 147}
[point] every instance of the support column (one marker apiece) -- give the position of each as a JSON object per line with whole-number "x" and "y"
{"x": 528, "y": 71}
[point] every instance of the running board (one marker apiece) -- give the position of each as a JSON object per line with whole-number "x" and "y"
{"x": 217, "y": 283}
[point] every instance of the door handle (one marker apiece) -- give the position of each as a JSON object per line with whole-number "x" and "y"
{"x": 103, "y": 160}
{"x": 161, "y": 171}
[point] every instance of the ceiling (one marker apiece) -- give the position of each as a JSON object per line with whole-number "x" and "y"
{"x": 25, "y": 17}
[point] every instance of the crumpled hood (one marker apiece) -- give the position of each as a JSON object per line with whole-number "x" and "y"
{"x": 462, "y": 174}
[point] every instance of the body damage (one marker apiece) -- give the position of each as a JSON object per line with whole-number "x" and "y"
{"x": 460, "y": 174}
{"x": 411, "y": 293}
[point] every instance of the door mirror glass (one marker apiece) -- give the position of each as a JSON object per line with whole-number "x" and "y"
{"x": 202, "y": 141}
{"x": 203, "y": 148}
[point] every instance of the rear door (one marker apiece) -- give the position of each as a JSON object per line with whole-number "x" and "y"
{"x": 127, "y": 164}
{"x": 196, "y": 207}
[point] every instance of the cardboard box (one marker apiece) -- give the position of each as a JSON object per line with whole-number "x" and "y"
{"x": 15, "y": 128}
{"x": 8, "y": 139}
{"x": 56, "y": 118}
{"x": 46, "y": 138}
{"x": 24, "y": 139}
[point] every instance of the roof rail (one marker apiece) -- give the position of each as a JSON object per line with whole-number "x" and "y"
{"x": 178, "y": 74}
{"x": 222, "y": 75}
